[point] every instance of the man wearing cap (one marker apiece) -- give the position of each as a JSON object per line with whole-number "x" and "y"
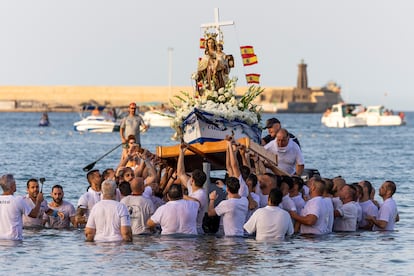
{"x": 130, "y": 125}
{"x": 273, "y": 125}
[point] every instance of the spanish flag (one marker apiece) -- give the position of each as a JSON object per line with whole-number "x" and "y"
{"x": 253, "y": 78}
{"x": 202, "y": 43}
{"x": 249, "y": 60}
{"x": 246, "y": 50}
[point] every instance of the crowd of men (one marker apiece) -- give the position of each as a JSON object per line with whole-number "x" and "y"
{"x": 145, "y": 195}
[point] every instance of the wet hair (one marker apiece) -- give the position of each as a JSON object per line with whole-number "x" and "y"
{"x": 199, "y": 177}
{"x": 328, "y": 185}
{"x": 6, "y": 182}
{"x": 175, "y": 192}
{"x": 233, "y": 185}
{"x": 57, "y": 186}
{"x": 358, "y": 190}
{"x": 298, "y": 181}
{"x": 125, "y": 188}
{"x": 391, "y": 186}
{"x": 31, "y": 180}
{"x": 253, "y": 178}
{"x": 275, "y": 196}
{"x": 368, "y": 185}
{"x": 286, "y": 179}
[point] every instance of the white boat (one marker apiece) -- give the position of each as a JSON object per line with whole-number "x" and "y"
{"x": 343, "y": 116}
{"x": 378, "y": 116}
{"x": 96, "y": 123}
{"x": 155, "y": 118}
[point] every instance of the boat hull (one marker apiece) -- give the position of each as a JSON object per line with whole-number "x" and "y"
{"x": 158, "y": 119}
{"x": 96, "y": 124}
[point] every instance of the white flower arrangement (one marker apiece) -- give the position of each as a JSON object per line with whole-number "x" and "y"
{"x": 222, "y": 103}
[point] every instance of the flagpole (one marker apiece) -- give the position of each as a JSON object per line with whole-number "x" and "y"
{"x": 170, "y": 50}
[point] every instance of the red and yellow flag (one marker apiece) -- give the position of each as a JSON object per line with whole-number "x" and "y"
{"x": 202, "y": 43}
{"x": 246, "y": 50}
{"x": 253, "y": 78}
{"x": 249, "y": 60}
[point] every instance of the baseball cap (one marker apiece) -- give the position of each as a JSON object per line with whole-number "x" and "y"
{"x": 270, "y": 122}
{"x": 132, "y": 105}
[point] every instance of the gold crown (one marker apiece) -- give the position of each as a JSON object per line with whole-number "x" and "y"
{"x": 210, "y": 35}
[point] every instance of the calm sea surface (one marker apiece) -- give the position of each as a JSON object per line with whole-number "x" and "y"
{"x": 59, "y": 154}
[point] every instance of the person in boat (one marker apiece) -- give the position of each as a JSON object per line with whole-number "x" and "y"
{"x": 13, "y": 208}
{"x": 273, "y": 125}
{"x": 290, "y": 158}
{"x": 109, "y": 219}
{"x": 59, "y": 205}
{"x": 388, "y": 212}
{"x": 270, "y": 222}
{"x": 211, "y": 71}
{"x": 130, "y": 125}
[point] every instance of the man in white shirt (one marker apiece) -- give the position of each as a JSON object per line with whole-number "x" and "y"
{"x": 314, "y": 217}
{"x": 289, "y": 155}
{"x": 388, "y": 212}
{"x": 177, "y": 216}
{"x": 367, "y": 206}
{"x": 270, "y": 222}
{"x": 346, "y": 216}
{"x": 13, "y": 208}
{"x": 233, "y": 210}
{"x": 140, "y": 208}
{"x": 90, "y": 198}
{"x": 194, "y": 185}
{"x": 109, "y": 219}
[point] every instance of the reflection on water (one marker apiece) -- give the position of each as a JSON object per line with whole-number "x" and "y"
{"x": 59, "y": 154}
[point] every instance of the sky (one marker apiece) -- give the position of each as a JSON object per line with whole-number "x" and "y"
{"x": 366, "y": 46}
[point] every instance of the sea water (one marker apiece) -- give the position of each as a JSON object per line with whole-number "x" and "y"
{"x": 58, "y": 153}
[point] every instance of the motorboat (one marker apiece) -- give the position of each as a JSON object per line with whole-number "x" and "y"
{"x": 154, "y": 118}
{"x": 96, "y": 123}
{"x": 344, "y": 115}
{"x": 378, "y": 115}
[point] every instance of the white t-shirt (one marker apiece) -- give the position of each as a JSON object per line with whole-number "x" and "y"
{"x": 201, "y": 196}
{"x": 140, "y": 210}
{"x": 368, "y": 209}
{"x": 287, "y": 204}
{"x": 244, "y": 190}
{"x": 12, "y": 209}
{"x": 348, "y": 219}
{"x": 233, "y": 212}
{"x": 66, "y": 208}
{"x": 177, "y": 217}
{"x": 330, "y": 211}
{"x": 299, "y": 202}
{"x": 41, "y": 217}
{"x": 287, "y": 157}
{"x": 270, "y": 223}
{"x": 107, "y": 217}
{"x": 387, "y": 212}
{"x": 88, "y": 200}
{"x": 316, "y": 206}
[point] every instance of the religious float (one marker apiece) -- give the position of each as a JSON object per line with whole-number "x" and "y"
{"x": 205, "y": 116}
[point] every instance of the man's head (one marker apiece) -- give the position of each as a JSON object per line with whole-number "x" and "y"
{"x": 387, "y": 189}
{"x": 94, "y": 179}
{"x": 347, "y": 193}
{"x": 275, "y": 197}
{"x": 175, "y": 192}
{"x": 267, "y": 182}
{"x": 32, "y": 188}
{"x": 233, "y": 185}
{"x": 57, "y": 194}
{"x": 282, "y": 138}
{"x": 273, "y": 125}
{"x": 199, "y": 177}
{"x": 137, "y": 185}
{"x": 366, "y": 189}
{"x": 8, "y": 183}
{"x": 108, "y": 189}
{"x": 132, "y": 108}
